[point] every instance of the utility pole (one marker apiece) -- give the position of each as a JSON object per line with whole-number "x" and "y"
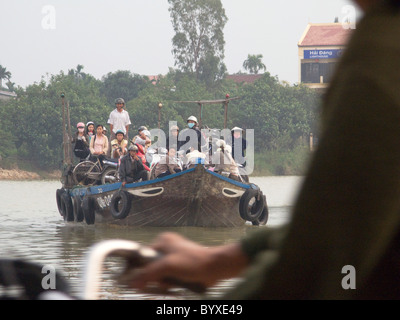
{"x": 160, "y": 105}
{"x": 66, "y": 135}
{"x": 64, "y": 132}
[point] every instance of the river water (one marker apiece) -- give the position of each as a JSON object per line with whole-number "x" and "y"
{"x": 32, "y": 229}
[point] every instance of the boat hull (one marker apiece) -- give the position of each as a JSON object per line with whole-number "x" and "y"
{"x": 194, "y": 197}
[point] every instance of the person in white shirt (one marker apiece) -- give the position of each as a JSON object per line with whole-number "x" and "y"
{"x": 119, "y": 119}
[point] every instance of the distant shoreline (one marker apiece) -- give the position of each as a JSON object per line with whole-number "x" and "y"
{"x": 17, "y": 174}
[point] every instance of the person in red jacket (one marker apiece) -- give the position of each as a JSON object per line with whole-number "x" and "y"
{"x": 142, "y": 155}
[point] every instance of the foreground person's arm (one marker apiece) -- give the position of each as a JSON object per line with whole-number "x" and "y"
{"x": 188, "y": 262}
{"x": 184, "y": 261}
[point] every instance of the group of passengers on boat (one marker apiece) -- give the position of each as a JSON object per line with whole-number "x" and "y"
{"x": 182, "y": 150}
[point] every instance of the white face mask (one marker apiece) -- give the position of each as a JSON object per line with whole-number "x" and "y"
{"x": 80, "y": 130}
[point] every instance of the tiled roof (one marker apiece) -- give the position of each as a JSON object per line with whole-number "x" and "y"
{"x": 153, "y": 78}
{"x": 246, "y": 78}
{"x": 325, "y": 34}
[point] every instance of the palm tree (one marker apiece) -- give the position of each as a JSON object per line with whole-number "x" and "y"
{"x": 77, "y": 73}
{"x": 253, "y": 63}
{"x": 4, "y": 74}
{"x": 10, "y": 85}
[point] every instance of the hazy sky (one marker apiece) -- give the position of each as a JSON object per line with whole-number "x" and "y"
{"x": 39, "y": 37}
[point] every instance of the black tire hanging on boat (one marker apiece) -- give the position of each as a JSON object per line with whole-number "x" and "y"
{"x": 77, "y": 208}
{"x": 66, "y": 204}
{"x": 251, "y": 212}
{"x": 120, "y": 204}
{"x": 60, "y": 207}
{"x": 263, "y": 219}
{"x": 88, "y": 210}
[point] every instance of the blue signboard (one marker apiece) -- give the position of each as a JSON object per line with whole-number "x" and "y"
{"x": 323, "y": 54}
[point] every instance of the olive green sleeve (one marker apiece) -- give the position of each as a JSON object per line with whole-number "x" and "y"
{"x": 261, "y": 246}
{"x": 347, "y": 211}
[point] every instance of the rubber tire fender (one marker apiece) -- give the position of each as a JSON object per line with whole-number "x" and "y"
{"x": 66, "y": 204}
{"x": 253, "y": 212}
{"x": 88, "y": 210}
{"x": 263, "y": 219}
{"x": 60, "y": 207}
{"x": 77, "y": 206}
{"x": 120, "y": 204}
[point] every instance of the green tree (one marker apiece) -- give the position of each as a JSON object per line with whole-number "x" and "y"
{"x": 10, "y": 85}
{"x": 279, "y": 114}
{"x": 4, "y": 74}
{"x": 211, "y": 69}
{"x": 37, "y": 113}
{"x": 7, "y": 133}
{"x": 123, "y": 84}
{"x": 254, "y": 63}
{"x": 77, "y": 73}
{"x": 199, "y": 37}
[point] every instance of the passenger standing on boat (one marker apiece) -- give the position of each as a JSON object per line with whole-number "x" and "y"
{"x": 119, "y": 145}
{"x": 119, "y": 119}
{"x": 169, "y": 166}
{"x": 99, "y": 144}
{"x": 90, "y": 129}
{"x": 81, "y": 142}
{"x": 238, "y": 144}
{"x": 172, "y": 139}
{"x": 191, "y": 138}
{"x": 131, "y": 168}
{"x": 343, "y": 239}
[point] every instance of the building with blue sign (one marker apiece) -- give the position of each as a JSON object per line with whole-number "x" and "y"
{"x": 320, "y": 47}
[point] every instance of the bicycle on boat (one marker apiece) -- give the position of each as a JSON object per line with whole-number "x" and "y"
{"x": 90, "y": 172}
